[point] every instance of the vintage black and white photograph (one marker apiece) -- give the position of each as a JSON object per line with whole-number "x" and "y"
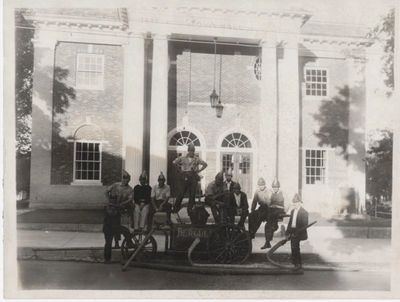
{"x": 237, "y": 148}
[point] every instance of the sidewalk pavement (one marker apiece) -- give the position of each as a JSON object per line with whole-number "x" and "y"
{"x": 91, "y": 221}
{"x": 84, "y": 246}
{"x": 76, "y": 235}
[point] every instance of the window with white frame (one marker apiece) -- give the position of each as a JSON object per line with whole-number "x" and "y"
{"x": 89, "y": 71}
{"x": 316, "y": 81}
{"x": 87, "y": 161}
{"x": 315, "y": 166}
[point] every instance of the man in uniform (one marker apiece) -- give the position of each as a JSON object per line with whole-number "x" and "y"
{"x": 142, "y": 198}
{"x": 262, "y": 199}
{"x": 215, "y": 196}
{"x": 228, "y": 182}
{"x": 239, "y": 205}
{"x": 188, "y": 167}
{"x": 119, "y": 195}
{"x": 275, "y": 212}
{"x": 298, "y": 220}
{"x": 160, "y": 195}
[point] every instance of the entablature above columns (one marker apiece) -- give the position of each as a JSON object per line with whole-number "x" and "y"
{"x": 332, "y": 47}
{"x": 44, "y": 34}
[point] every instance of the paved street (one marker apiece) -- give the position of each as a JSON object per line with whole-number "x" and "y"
{"x": 75, "y": 275}
{"x": 329, "y": 246}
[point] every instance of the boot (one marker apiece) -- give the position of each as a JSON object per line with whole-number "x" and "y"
{"x": 267, "y": 245}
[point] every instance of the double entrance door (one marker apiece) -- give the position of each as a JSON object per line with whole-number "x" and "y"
{"x": 241, "y": 165}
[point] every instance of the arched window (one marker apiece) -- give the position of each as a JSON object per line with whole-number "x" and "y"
{"x": 184, "y": 138}
{"x": 236, "y": 140}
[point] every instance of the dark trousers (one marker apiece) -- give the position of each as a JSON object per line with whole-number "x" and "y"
{"x": 232, "y": 214}
{"x": 256, "y": 218}
{"x": 187, "y": 183}
{"x": 272, "y": 222}
{"x": 296, "y": 256}
{"x": 112, "y": 229}
{"x": 117, "y": 235}
{"x": 167, "y": 208}
{"x": 212, "y": 203}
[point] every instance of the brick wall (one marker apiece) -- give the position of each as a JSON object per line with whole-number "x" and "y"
{"x": 325, "y": 197}
{"x": 240, "y": 95}
{"x": 74, "y": 107}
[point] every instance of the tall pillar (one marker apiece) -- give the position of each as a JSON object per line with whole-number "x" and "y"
{"x": 289, "y": 118}
{"x": 133, "y": 105}
{"x": 159, "y": 108}
{"x": 42, "y": 106}
{"x": 357, "y": 135}
{"x": 268, "y": 112}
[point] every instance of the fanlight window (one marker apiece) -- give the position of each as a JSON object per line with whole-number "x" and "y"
{"x": 184, "y": 138}
{"x": 236, "y": 140}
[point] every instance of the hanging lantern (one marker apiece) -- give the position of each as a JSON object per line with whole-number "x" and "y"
{"x": 214, "y": 96}
{"x": 219, "y": 108}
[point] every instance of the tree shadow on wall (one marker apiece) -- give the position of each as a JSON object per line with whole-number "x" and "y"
{"x": 342, "y": 124}
{"x": 63, "y": 146}
{"x": 62, "y": 154}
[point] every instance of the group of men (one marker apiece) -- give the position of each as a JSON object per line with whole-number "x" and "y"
{"x": 223, "y": 196}
{"x": 141, "y": 203}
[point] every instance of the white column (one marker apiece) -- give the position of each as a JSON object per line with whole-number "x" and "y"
{"x": 396, "y": 153}
{"x": 133, "y": 105}
{"x": 159, "y": 108}
{"x": 288, "y": 119}
{"x": 268, "y": 112}
{"x": 42, "y": 106}
{"x": 357, "y": 135}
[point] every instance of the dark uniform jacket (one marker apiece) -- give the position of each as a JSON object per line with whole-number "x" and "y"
{"x": 244, "y": 205}
{"x": 142, "y": 194}
{"x": 301, "y": 221}
{"x": 230, "y": 187}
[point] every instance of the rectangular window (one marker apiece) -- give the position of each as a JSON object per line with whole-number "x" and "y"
{"x": 244, "y": 164}
{"x": 227, "y": 162}
{"x": 316, "y": 81}
{"x": 315, "y": 166}
{"x": 87, "y": 161}
{"x": 89, "y": 71}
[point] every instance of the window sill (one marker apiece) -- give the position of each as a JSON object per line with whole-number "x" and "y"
{"x": 86, "y": 183}
{"x": 316, "y": 98}
{"x": 90, "y": 88}
{"x": 316, "y": 185}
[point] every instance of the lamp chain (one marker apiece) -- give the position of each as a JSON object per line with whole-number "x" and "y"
{"x": 220, "y": 75}
{"x": 215, "y": 60}
{"x": 190, "y": 73}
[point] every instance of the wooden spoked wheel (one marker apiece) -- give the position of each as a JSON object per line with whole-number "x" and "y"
{"x": 129, "y": 246}
{"x": 229, "y": 244}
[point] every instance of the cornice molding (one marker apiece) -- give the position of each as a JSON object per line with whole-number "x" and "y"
{"x": 303, "y": 15}
{"x": 334, "y": 41}
{"x": 41, "y": 21}
{"x": 217, "y": 17}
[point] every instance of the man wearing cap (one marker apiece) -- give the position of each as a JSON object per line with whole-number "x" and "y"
{"x": 275, "y": 212}
{"x": 141, "y": 197}
{"x": 239, "y": 205}
{"x": 298, "y": 220}
{"x": 160, "y": 195}
{"x": 228, "y": 182}
{"x": 261, "y": 198}
{"x": 119, "y": 195}
{"x": 188, "y": 167}
{"x": 214, "y": 195}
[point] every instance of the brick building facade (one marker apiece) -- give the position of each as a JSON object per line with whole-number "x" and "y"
{"x": 129, "y": 88}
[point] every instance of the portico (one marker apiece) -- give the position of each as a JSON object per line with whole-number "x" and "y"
{"x": 167, "y": 61}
